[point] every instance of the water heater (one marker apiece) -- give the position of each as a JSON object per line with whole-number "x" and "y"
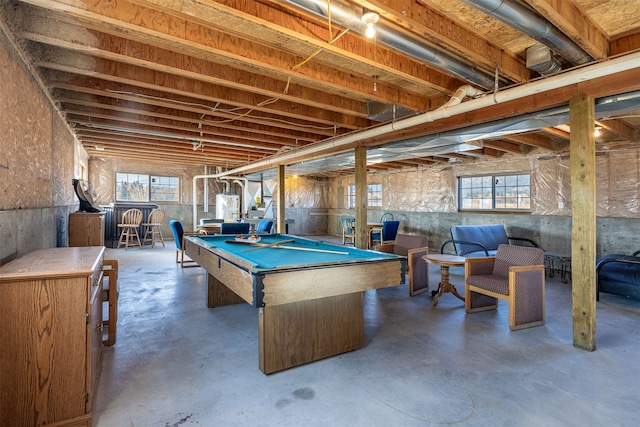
{"x": 227, "y": 207}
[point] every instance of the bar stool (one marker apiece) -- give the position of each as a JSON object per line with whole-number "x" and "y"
{"x": 152, "y": 227}
{"x": 131, "y": 220}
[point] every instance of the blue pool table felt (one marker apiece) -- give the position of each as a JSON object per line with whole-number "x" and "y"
{"x": 267, "y": 258}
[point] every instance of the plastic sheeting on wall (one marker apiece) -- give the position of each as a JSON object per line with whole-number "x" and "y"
{"x": 102, "y": 174}
{"x": 434, "y": 189}
{"x": 301, "y": 192}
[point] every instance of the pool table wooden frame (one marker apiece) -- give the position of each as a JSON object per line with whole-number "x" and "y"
{"x": 305, "y": 313}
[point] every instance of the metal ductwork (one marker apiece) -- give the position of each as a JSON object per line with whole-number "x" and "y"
{"x": 540, "y": 59}
{"x": 528, "y": 21}
{"x": 349, "y": 16}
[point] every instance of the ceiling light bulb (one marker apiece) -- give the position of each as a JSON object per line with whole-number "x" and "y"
{"x": 370, "y": 18}
{"x": 371, "y": 31}
{"x": 597, "y": 132}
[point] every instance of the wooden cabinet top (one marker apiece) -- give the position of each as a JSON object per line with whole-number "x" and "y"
{"x": 87, "y": 214}
{"x": 53, "y": 262}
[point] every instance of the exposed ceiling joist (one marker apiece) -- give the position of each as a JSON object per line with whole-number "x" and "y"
{"x": 250, "y": 80}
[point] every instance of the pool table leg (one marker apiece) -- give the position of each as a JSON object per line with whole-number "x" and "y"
{"x": 219, "y": 294}
{"x": 301, "y": 332}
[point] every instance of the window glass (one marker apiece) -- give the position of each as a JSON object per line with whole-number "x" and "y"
{"x": 136, "y": 187}
{"x": 132, "y": 187}
{"x": 374, "y": 196}
{"x": 165, "y": 189}
{"x": 351, "y": 198}
{"x": 500, "y": 192}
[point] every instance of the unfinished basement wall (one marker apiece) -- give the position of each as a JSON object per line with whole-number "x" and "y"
{"x": 36, "y": 163}
{"x": 425, "y": 201}
{"x": 102, "y": 176}
{"x": 307, "y": 203}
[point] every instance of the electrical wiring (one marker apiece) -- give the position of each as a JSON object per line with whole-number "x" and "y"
{"x": 262, "y": 103}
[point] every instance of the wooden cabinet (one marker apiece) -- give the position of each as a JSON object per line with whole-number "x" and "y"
{"x": 86, "y": 229}
{"x": 50, "y": 336}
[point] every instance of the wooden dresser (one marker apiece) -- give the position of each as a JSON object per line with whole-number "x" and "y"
{"x": 50, "y": 336}
{"x": 86, "y": 229}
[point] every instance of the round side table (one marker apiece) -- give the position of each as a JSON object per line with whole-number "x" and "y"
{"x": 445, "y": 261}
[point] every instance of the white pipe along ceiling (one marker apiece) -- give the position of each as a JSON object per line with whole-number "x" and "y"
{"x": 556, "y": 81}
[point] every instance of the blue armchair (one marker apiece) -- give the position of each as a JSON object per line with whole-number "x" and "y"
{"x": 386, "y": 234}
{"x": 264, "y": 226}
{"x": 235, "y": 228}
{"x": 178, "y": 237}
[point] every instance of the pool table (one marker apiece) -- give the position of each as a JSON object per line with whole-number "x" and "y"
{"x": 308, "y": 293}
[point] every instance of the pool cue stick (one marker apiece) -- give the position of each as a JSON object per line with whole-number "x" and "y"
{"x": 295, "y": 248}
{"x": 247, "y": 242}
{"x": 284, "y": 247}
{"x": 259, "y": 245}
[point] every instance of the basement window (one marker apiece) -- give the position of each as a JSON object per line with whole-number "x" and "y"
{"x": 136, "y": 187}
{"x": 374, "y": 196}
{"x": 495, "y": 193}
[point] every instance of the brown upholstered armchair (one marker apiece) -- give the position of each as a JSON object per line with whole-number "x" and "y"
{"x": 414, "y": 248}
{"x": 515, "y": 274}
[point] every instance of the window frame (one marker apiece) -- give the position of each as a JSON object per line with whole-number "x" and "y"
{"x": 372, "y": 189}
{"x": 149, "y": 188}
{"x": 497, "y": 205}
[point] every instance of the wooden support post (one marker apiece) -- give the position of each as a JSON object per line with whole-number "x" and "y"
{"x": 281, "y": 226}
{"x": 583, "y": 233}
{"x": 361, "y": 197}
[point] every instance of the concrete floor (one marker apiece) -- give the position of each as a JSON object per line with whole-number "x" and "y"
{"x": 178, "y": 363}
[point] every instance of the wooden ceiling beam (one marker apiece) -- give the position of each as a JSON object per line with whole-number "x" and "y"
{"x": 557, "y": 132}
{"x": 621, "y": 129}
{"x": 144, "y": 78}
{"x": 179, "y": 65}
{"x": 506, "y": 146}
{"x": 621, "y": 82}
{"x": 190, "y": 30}
{"x": 210, "y": 155}
{"x": 149, "y": 131}
{"x": 282, "y": 137}
{"x": 98, "y": 136}
{"x": 490, "y": 152}
{"x": 156, "y": 98}
{"x": 194, "y": 131}
{"x": 135, "y": 75}
{"x": 533, "y": 139}
{"x": 575, "y": 23}
{"x": 442, "y": 31}
{"x": 353, "y": 53}
{"x": 627, "y": 42}
{"x": 142, "y": 157}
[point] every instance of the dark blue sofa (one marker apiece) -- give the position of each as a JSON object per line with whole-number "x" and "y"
{"x": 619, "y": 274}
{"x": 472, "y": 241}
